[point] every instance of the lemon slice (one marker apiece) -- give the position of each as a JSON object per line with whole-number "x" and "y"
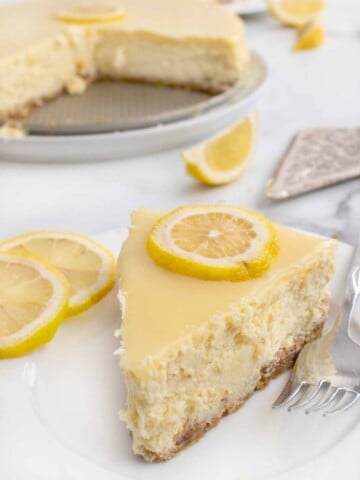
{"x": 223, "y": 158}
{"x": 88, "y": 267}
{"x": 311, "y": 36}
{"x": 33, "y": 303}
{"x": 214, "y": 242}
{"x": 92, "y": 12}
{"x": 296, "y": 13}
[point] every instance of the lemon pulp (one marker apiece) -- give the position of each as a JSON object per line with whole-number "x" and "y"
{"x": 88, "y": 267}
{"x": 33, "y": 303}
{"x": 214, "y": 242}
{"x": 223, "y": 158}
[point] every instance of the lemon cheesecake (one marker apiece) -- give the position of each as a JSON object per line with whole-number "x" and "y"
{"x": 48, "y": 46}
{"x": 200, "y": 336}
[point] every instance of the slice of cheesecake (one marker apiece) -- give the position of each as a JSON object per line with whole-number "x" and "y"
{"x": 189, "y": 43}
{"x": 194, "y": 350}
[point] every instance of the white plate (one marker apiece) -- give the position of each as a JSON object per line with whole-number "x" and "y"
{"x": 58, "y": 416}
{"x": 245, "y": 7}
{"x": 128, "y": 143}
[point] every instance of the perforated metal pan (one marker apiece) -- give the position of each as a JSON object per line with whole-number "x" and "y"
{"x": 122, "y": 106}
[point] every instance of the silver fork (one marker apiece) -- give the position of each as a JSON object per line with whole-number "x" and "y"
{"x": 326, "y": 375}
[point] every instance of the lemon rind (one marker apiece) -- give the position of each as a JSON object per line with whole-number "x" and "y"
{"x": 93, "y": 297}
{"x": 65, "y": 16}
{"x": 201, "y": 171}
{"x": 242, "y": 271}
{"x": 302, "y": 42}
{"x": 47, "y": 330}
{"x": 290, "y": 20}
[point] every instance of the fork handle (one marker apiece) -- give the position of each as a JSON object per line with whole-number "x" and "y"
{"x": 352, "y": 294}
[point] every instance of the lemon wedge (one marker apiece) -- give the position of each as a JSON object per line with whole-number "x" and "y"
{"x": 33, "y": 303}
{"x": 92, "y": 12}
{"x": 214, "y": 242}
{"x": 296, "y": 13}
{"x": 223, "y": 158}
{"x": 88, "y": 267}
{"x": 311, "y": 36}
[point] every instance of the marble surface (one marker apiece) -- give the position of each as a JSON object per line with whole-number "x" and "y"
{"x": 315, "y": 88}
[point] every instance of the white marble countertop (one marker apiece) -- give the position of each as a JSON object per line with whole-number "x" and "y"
{"x": 314, "y": 88}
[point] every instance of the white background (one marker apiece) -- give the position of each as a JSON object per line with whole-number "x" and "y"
{"x": 317, "y": 88}
{"x": 313, "y": 88}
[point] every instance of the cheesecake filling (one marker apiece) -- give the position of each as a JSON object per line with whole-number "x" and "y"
{"x": 213, "y": 370}
{"x": 40, "y": 73}
{"x": 49, "y": 69}
{"x": 148, "y": 45}
{"x": 194, "y": 350}
{"x": 147, "y": 57}
{"x": 45, "y": 71}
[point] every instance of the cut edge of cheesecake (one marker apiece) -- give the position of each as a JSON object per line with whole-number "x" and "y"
{"x": 43, "y": 62}
{"x": 180, "y": 387}
{"x": 284, "y": 360}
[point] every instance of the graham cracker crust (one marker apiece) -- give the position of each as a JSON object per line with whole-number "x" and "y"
{"x": 285, "y": 359}
{"x": 24, "y": 110}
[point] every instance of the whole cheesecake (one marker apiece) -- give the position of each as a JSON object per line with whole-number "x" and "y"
{"x": 194, "y": 350}
{"x": 188, "y": 43}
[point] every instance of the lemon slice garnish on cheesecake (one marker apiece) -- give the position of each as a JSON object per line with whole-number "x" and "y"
{"x": 33, "y": 303}
{"x": 296, "y": 13}
{"x": 214, "y": 242}
{"x": 92, "y": 12}
{"x": 311, "y": 36}
{"x": 88, "y": 267}
{"x": 223, "y": 158}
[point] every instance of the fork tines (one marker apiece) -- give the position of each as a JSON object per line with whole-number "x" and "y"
{"x": 319, "y": 397}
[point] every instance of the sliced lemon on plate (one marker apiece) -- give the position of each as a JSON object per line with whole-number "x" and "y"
{"x": 311, "y": 36}
{"x": 223, "y": 158}
{"x": 88, "y": 267}
{"x": 33, "y": 303}
{"x": 214, "y": 242}
{"x": 92, "y": 12}
{"x": 296, "y": 13}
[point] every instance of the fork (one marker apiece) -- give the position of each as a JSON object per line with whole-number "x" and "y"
{"x": 326, "y": 375}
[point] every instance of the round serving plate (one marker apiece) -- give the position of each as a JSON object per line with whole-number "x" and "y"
{"x": 245, "y": 7}
{"x": 59, "y": 415}
{"x": 131, "y": 134}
